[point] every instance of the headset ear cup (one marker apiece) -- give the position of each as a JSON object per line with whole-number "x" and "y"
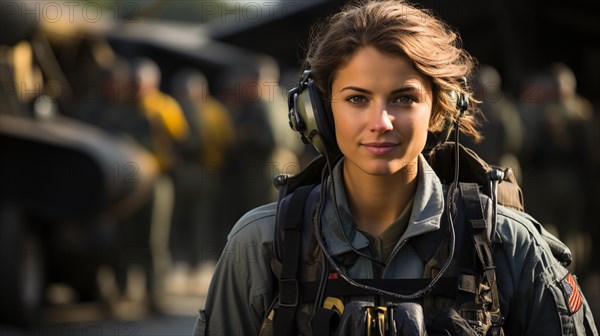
{"x": 434, "y": 139}
{"x": 325, "y": 126}
{"x": 310, "y": 116}
{"x": 462, "y": 103}
{"x": 303, "y": 114}
{"x": 295, "y": 119}
{"x": 300, "y": 109}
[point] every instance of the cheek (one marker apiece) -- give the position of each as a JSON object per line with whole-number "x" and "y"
{"x": 343, "y": 124}
{"x": 425, "y": 128}
{"x": 425, "y": 118}
{"x": 414, "y": 125}
{"x": 345, "y": 133}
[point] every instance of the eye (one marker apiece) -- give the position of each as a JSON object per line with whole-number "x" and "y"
{"x": 356, "y": 99}
{"x": 405, "y": 100}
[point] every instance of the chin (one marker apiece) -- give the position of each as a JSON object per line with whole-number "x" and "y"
{"x": 383, "y": 168}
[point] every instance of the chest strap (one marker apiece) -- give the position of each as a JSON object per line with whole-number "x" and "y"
{"x": 338, "y": 287}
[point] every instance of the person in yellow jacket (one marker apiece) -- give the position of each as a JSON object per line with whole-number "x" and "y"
{"x": 165, "y": 133}
{"x": 195, "y": 239}
{"x": 168, "y": 125}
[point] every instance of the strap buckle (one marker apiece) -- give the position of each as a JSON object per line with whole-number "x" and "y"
{"x": 496, "y": 327}
{"x": 288, "y": 293}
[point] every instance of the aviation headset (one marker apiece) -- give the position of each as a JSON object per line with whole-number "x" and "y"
{"x": 311, "y": 116}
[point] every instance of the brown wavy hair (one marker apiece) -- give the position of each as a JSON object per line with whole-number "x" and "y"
{"x": 397, "y": 28}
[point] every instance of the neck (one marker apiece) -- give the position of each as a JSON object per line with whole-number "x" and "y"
{"x": 377, "y": 201}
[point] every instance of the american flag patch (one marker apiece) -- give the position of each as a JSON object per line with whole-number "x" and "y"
{"x": 572, "y": 293}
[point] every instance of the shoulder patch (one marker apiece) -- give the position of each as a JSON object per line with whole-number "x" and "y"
{"x": 571, "y": 292}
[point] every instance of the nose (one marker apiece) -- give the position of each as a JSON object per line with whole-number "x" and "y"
{"x": 381, "y": 120}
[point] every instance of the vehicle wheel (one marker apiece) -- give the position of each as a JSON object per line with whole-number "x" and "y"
{"x": 21, "y": 268}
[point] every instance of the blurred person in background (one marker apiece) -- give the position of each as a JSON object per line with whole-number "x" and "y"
{"x": 168, "y": 123}
{"x": 131, "y": 105}
{"x": 165, "y": 131}
{"x": 248, "y": 169}
{"x": 287, "y": 149}
{"x": 195, "y": 232}
{"x": 29, "y": 80}
{"x": 580, "y": 115}
{"x": 115, "y": 109}
{"x": 502, "y": 128}
{"x": 557, "y": 157}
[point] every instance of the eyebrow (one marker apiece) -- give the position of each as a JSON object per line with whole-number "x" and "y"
{"x": 407, "y": 88}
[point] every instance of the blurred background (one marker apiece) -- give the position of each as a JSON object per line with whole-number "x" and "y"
{"x": 133, "y": 134}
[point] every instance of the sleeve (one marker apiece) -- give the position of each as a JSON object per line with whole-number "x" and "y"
{"x": 241, "y": 291}
{"x": 538, "y": 295}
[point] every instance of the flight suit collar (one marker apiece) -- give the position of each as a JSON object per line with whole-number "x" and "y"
{"x": 428, "y": 206}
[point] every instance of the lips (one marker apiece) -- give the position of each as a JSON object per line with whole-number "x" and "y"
{"x": 380, "y": 148}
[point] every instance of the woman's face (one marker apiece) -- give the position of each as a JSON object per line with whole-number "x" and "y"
{"x": 381, "y": 108}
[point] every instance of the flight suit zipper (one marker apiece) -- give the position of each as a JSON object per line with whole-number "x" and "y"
{"x": 380, "y": 299}
{"x": 393, "y": 254}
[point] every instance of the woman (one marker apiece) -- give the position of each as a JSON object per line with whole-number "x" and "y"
{"x": 389, "y": 74}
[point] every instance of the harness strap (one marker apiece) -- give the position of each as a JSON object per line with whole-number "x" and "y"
{"x": 289, "y": 292}
{"x": 483, "y": 248}
{"x": 446, "y": 286}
